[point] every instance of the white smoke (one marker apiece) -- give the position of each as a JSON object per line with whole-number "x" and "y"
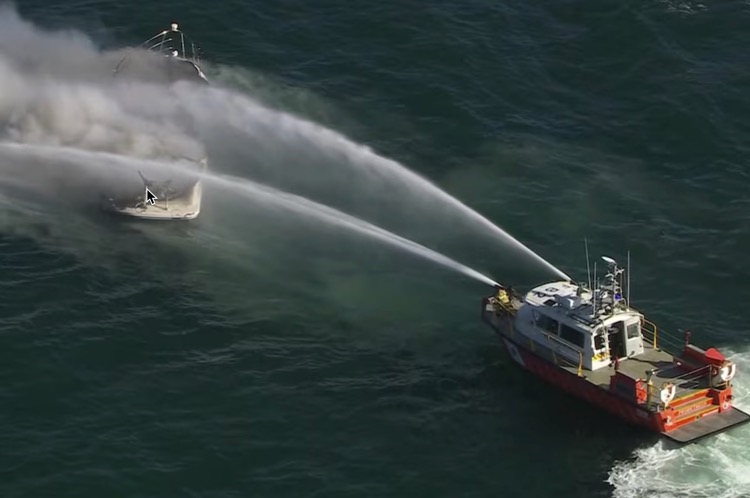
{"x": 57, "y": 89}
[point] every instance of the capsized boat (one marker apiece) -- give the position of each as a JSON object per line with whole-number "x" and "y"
{"x": 179, "y": 197}
{"x": 592, "y": 344}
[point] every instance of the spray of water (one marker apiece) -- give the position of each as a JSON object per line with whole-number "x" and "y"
{"x": 245, "y": 113}
{"x": 57, "y": 89}
{"x": 93, "y": 160}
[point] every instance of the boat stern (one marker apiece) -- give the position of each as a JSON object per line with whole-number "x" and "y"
{"x": 703, "y": 412}
{"x": 709, "y": 425}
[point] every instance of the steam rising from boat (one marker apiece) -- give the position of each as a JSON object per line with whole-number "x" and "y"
{"x": 57, "y": 89}
{"x": 269, "y": 196}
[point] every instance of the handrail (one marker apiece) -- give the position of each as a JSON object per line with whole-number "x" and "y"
{"x": 508, "y": 308}
{"x": 652, "y": 393}
{"x": 650, "y": 328}
{"x": 554, "y": 353}
{"x": 695, "y": 374}
{"x": 653, "y": 329}
{"x": 692, "y": 373}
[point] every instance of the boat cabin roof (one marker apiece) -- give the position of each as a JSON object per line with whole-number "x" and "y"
{"x": 572, "y": 303}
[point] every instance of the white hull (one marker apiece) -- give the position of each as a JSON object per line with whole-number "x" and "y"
{"x": 186, "y": 207}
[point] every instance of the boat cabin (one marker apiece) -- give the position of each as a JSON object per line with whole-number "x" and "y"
{"x": 180, "y": 58}
{"x": 590, "y": 327}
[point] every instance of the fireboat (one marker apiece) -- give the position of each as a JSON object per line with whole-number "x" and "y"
{"x": 588, "y": 341}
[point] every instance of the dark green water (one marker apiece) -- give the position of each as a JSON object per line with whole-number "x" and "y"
{"x": 259, "y": 352}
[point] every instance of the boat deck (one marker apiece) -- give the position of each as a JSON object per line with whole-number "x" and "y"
{"x": 637, "y": 367}
{"x": 653, "y": 359}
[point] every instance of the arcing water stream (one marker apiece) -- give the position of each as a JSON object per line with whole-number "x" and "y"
{"x": 242, "y": 111}
{"x": 57, "y": 89}
{"x": 298, "y": 205}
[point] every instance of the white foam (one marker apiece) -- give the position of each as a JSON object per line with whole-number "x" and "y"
{"x": 717, "y": 468}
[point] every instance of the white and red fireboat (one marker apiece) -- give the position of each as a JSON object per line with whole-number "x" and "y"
{"x": 592, "y": 344}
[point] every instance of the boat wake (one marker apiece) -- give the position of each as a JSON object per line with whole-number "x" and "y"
{"x": 716, "y": 468}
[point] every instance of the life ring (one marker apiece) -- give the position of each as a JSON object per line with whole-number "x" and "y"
{"x": 669, "y": 420}
{"x": 725, "y": 405}
{"x": 667, "y": 393}
{"x": 727, "y": 371}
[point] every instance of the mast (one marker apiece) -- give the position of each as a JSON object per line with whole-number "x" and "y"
{"x": 593, "y": 290}
{"x": 629, "y": 280}
{"x": 588, "y": 267}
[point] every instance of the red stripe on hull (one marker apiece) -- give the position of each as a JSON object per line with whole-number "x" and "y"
{"x": 580, "y": 387}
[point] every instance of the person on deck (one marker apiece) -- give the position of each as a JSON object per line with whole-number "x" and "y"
{"x": 502, "y": 296}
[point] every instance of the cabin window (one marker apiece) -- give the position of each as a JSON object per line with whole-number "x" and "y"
{"x": 546, "y": 323}
{"x": 571, "y": 335}
{"x": 598, "y": 342}
{"x": 633, "y": 330}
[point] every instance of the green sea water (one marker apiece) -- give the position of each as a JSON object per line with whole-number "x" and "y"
{"x": 258, "y": 351}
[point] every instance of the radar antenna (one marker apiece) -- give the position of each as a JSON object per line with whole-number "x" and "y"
{"x": 613, "y": 282}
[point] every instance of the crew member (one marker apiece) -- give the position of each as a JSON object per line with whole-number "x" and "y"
{"x": 502, "y": 296}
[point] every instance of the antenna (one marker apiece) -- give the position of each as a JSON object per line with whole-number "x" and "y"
{"x": 588, "y": 267}
{"x": 593, "y": 290}
{"x": 145, "y": 182}
{"x": 629, "y": 305}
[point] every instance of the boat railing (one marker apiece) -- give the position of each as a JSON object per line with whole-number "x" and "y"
{"x": 688, "y": 380}
{"x": 694, "y": 379}
{"x": 169, "y": 43}
{"x": 173, "y": 40}
{"x": 660, "y": 339}
{"x": 499, "y": 308}
{"x": 507, "y": 308}
{"x": 565, "y": 360}
{"x": 650, "y": 332}
{"x": 685, "y": 384}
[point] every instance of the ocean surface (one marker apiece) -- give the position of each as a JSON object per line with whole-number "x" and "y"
{"x": 271, "y": 348}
